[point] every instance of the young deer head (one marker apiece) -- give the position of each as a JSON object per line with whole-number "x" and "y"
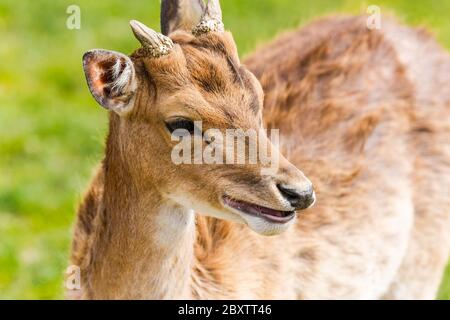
{"x": 172, "y": 82}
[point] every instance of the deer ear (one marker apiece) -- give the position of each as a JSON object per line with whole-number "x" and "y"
{"x": 111, "y": 79}
{"x": 180, "y": 15}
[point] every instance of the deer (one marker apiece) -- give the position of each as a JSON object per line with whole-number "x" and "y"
{"x": 358, "y": 208}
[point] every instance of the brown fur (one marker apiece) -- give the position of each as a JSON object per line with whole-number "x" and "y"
{"x": 370, "y": 130}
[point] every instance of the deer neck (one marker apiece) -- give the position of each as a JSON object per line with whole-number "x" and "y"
{"x": 145, "y": 247}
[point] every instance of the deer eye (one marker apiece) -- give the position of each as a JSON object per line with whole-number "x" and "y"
{"x": 180, "y": 123}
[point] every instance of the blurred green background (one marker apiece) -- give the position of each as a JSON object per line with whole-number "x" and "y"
{"x": 52, "y": 131}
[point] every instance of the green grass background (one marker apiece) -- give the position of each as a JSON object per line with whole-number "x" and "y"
{"x": 52, "y": 131}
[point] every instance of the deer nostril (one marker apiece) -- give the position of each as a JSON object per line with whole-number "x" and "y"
{"x": 299, "y": 199}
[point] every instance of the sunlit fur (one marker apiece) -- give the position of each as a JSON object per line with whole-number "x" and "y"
{"x": 363, "y": 115}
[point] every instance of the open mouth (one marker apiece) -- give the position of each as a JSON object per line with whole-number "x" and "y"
{"x": 271, "y": 215}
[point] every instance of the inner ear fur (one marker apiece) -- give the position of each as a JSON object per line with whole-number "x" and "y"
{"x": 111, "y": 78}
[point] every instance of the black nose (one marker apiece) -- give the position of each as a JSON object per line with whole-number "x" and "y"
{"x": 299, "y": 199}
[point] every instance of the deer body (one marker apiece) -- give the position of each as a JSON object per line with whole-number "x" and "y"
{"x": 373, "y": 138}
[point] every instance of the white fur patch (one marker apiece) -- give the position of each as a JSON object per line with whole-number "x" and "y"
{"x": 176, "y": 222}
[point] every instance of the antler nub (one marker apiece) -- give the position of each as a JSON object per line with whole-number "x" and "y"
{"x": 155, "y": 43}
{"x": 211, "y": 20}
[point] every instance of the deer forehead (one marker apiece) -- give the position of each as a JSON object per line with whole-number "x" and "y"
{"x": 204, "y": 80}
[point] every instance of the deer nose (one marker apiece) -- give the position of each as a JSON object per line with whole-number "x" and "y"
{"x": 298, "y": 198}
